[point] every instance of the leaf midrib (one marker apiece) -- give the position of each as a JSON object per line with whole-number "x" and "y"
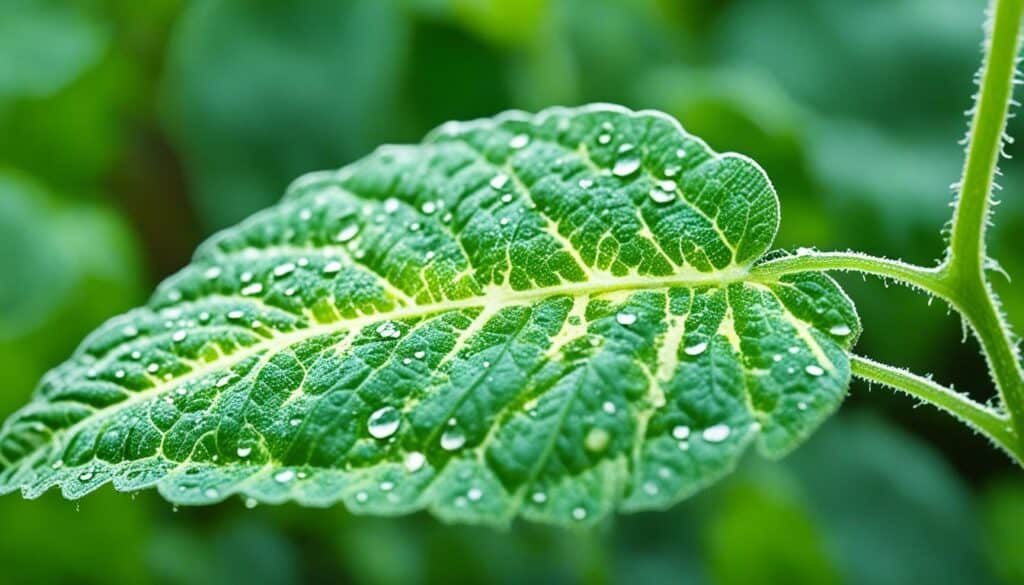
{"x": 499, "y": 296}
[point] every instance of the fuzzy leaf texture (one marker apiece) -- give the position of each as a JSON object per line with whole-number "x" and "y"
{"x": 542, "y": 315}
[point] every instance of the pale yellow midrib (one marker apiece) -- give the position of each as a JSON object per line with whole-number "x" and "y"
{"x": 686, "y": 279}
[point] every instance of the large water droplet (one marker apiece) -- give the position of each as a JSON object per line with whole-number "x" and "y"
{"x": 384, "y": 422}
{"x": 414, "y": 461}
{"x": 452, "y": 438}
{"x": 716, "y": 433}
{"x": 661, "y": 197}
{"x": 628, "y": 162}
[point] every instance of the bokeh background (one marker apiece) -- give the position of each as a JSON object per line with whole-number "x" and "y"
{"x": 129, "y": 131}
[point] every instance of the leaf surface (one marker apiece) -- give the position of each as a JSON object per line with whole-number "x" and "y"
{"x": 548, "y": 316}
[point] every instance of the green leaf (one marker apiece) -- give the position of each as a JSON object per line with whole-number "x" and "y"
{"x": 545, "y": 315}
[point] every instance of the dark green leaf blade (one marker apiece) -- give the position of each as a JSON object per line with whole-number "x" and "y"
{"x": 543, "y": 315}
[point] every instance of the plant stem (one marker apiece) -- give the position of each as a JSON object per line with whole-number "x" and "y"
{"x": 979, "y": 417}
{"x": 927, "y": 279}
{"x": 964, "y": 268}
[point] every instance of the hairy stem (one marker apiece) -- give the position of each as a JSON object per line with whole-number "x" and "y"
{"x": 927, "y": 279}
{"x": 964, "y": 268}
{"x": 979, "y": 417}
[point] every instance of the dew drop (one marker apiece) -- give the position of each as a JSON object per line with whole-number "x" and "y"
{"x": 244, "y": 452}
{"x": 119, "y": 374}
{"x": 627, "y": 165}
{"x": 414, "y": 461}
{"x": 419, "y": 354}
{"x": 716, "y": 433}
{"x": 284, "y": 476}
{"x": 680, "y": 153}
{"x": 235, "y": 315}
{"x": 539, "y": 497}
{"x": 428, "y": 207}
{"x": 253, "y": 289}
{"x": 499, "y": 181}
{"x": 384, "y": 422}
{"x": 474, "y": 494}
{"x": 604, "y": 139}
{"x": 672, "y": 170}
{"x": 696, "y": 349}
{"x": 284, "y": 269}
{"x": 579, "y": 513}
{"x": 519, "y": 141}
{"x": 586, "y": 183}
{"x": 661, "y": 197}
{"x": 85, "y": 476}
{"x": 452, "y": 438}
{"x": 332, "y": 267}
{"x": 246, "y": 276}
{"x": 179, "y": 335}
{"x": 347, "y": 233}
{"x": 625, "y": 319}
{"x": 361, "y": 497}
{"x": 130, "y": 331}
{"x": 250, "y": 503}
{"x": 211, "y": 493}
{"x": 608, "y": 407}
{"x": 802, "y": 406}
{"x": 212, "y": 272}
{"x": 388, "y": 329}
{"x": 651, "y": 488}
{"x": 223, "y": 381}
{"x": 814, "y": 370}
{"x": 390, "y": 205}
{"x": 839, "y": 330}
{"x": 680, "y": 432}
{"x": 387, "y": 486}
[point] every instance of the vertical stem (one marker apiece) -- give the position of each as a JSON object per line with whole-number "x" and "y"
{"x": 964, "y": 269}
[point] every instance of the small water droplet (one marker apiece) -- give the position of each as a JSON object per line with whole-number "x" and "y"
{"x": 681, "y": 432}
{"x": 452, "y": 438}
{"x": 519, "y": 141}
{"x": 179, "y": 335}
{"x": 332, "y": 267}
{"x": 839, "y": 330}
{"x": 680, "y": 153}
{"x": 253, "y": 289}
{"x": 347, "y": 233}
{"x": 244, "y": 452}
{"x": 539, "y": 497}
{"x": 212, "y": 272}
{"x": 428, "y": 208}
{"x": 211, "y": 493}
{"x": 661, "y": 197}
{"x": 362, "y": 497}
{"x": 414, "y": 461}
{"x": 387, "y": 486}
{"x": 716, "y": 433}
{"x": 384, "y": 422}
{"x": 794, "y": 349}
{"x": 419, "y": 354}
{"x": 85, "y": 476}
{"x": 389, "y": 329}
{"x": 250, "y": 503}
{"x": 696, "y": 349}
{"x": 777, "y": 357}
{"x": 625, "y": 319}
{"x": 390, "y": 205}
{"x": 579, "y": 513}
{"x": 474, "y": 494}
{"x": 604, "y": 139}
{"x": 284, "y": 476}
{"x": 608, "y": 407}
{"x": 672, "y": 170}
{"x": 503, "y": 221}
{"x": 235, "y": 315}
{"x": 499, "y": 181}
{"x": 586, "y": 183}
{"x": 284, "y": 269}
{"x": 651, "y": 488}
{"x": 814, "y": 370}
{"x": 801, "y": 406}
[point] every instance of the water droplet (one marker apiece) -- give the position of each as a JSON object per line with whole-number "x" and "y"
{"x": 452, "y": 438}
{"x": 57, "y": 464}
{"x": 814, "y": 370}
{"x": 672, "y": 170}
{"x": 586, "y": 183}
{"x": 384, "y": 422}
{"x": 579, "y": 513}
{"x": 223, "y": 381}
{"x": 474, "y": 494}
{"x": 667, "y": 186}
{"x": 136, "y": 355}
{"x": 250, "y": 503}
{"x": 211, "y": 493}
{"x": 414, "y": 461}
{"x": 235, "y": 315}
{"x": 651, "y": 488}
{"x": 680, "y": 153}
{"x": 499, "y": 181}
{"x": 253, "y": 289}
{"x": 85, "y": 476}
{"x": 244, "y": 452}
{"x": 661, "y": 197}
{"x": 539, "y": 497}
{"x": 596, "y": 440}
{"x": 839, "y": 330}
{"x": 608, "y": 407}
{"x": 604, "y": 139}
{"x": 801, "y": 406}
{"x": 626, "y": 319}
{"x": 212, "y": 272}
{"x": 284, "y": 269}
{"x": 129, "y": 331}
{"x": 387, "y": 486}
{"x": 519, "y": 141}
{"x": 626, "y": 166}
{"x": 284, "y": 476}
{"x": 295, "y": 422}
{"x": 179, "y": 335}
{"x": 428, "y": 207}
{"x": 152, "y": 368}
{"x": 347, "y": 233}
{"x": 390, "y": 205}
{"x": 388, "y": 329}
{"x": 332, "y": 267}
{"x": 503, "y": 221}
{"x": 777, "y": 357}
{"x": 419, "y": 354}
{"x": 119, "y": 374}
{"x": 681, "y": 432}
{"x": 696, "y": 349}
{"x": 361, "y": 497}
{"x": 794, "y": 349}
{"x": 716, "y": 433}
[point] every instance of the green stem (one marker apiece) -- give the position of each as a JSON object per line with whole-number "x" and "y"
{"x": 927, "y": 279}
{"x": 979, "y": 417}
{"x": 964, "y": 268}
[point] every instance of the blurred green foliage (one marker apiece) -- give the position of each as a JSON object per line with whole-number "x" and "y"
{"x": 129, "y": 130}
